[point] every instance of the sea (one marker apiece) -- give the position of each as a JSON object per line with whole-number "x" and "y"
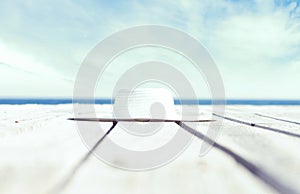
{"x": 55, "y": 101}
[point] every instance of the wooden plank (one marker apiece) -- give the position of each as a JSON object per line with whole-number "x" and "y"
{"x": 214, "y": 173}
{"x": 275, "y": 152}
{"x": 44, "y": 146}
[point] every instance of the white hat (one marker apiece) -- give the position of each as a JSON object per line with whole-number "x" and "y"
{"x": 145, "y": 103}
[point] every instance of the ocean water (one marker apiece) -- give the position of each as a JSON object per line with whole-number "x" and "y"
{"x": 53, "y": 101}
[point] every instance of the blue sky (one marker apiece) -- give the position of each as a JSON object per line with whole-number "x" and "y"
{"x": 256, "y": 44}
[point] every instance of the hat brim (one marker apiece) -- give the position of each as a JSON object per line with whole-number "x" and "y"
{"x": 136, "y": 120}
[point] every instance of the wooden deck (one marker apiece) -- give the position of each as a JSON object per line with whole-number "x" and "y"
{"x": 40, "y": 149}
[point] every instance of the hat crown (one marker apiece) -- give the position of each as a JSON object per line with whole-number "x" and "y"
{"x": 154, "y": 103}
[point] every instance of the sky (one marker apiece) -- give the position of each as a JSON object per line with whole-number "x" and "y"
{"x": 255, "y": 44}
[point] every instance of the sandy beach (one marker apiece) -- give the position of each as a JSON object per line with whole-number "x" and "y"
{"x": 39, "y": 147}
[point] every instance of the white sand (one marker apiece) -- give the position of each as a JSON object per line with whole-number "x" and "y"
{"x": 41, "y": 148}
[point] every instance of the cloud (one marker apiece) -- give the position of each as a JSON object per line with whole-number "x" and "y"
{"x": 253, "y": 42}
{"x": 254, "y": 49}
{"x": 17, "y": 82}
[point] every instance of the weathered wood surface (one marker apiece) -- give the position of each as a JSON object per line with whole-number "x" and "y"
{"x": 39, "y": 147}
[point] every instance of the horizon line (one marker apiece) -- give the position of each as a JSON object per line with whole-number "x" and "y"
{"x": 53, "y": 101}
